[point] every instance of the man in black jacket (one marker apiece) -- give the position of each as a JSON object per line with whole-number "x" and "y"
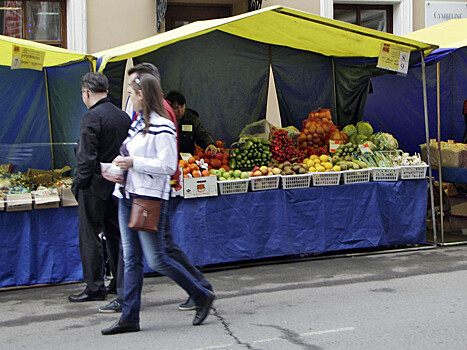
{"x": 103, "y": 129}
{"x": 190, "y": 129}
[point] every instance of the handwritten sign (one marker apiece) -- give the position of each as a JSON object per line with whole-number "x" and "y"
{"x": 27, "y": 58}
{"x": 333, "y": 145}
{"x": 394, "y": 58}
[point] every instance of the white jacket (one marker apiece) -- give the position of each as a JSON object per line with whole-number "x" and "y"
{"x": 154, "y": 158}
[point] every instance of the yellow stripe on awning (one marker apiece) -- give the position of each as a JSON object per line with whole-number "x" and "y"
{"x": 54, "y": 56}
{"x": 276, "y": 25}
{"x": 451, "y": 34}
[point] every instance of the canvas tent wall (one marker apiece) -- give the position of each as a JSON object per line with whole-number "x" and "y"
{"x": 40, "y": 109}
{"x": 222, "y": 66}
{"x": 397, "y": 97}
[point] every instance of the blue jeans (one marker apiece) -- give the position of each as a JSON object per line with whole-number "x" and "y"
{"x": 151, "y": 244}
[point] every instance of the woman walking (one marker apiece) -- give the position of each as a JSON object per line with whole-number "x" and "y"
{"x": 149, "y": 157}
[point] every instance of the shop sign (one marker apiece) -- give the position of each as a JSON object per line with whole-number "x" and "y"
{"x": 27, "y": 58}
{"x": 441, "y": 11}
{"x": 365, "y": 148}
{"x": 394, "y": 58}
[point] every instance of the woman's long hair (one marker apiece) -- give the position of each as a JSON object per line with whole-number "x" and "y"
{"x": 152, "y": 96}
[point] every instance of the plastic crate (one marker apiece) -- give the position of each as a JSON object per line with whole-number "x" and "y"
{"x": 413, "y": 172}
{"x": 356, "y": 176}
{"x": 233, "y": 186}
{"x": 296, "y": 181}
{"x": 260, "y": 183}
{"x": 385, "y": 174}
{"x": 329, "y": 178}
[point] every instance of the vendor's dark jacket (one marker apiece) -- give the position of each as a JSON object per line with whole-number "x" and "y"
{"x": 103, "y": 129}
{"x": 190, "y": 131}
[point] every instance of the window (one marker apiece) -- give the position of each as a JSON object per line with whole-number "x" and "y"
{"x": 43, "y": 21}
{"x": 377, "y": 17}
{"x": 179, "y": 14}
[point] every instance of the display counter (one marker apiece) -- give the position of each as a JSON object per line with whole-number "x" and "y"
{"x": 41, "y": 246}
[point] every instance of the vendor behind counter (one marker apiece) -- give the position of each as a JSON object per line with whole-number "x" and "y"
{"x": 190, "y": 129}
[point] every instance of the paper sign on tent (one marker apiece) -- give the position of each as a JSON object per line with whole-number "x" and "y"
{"x": 394, "y": 58}
{"x": 27, "y": 58}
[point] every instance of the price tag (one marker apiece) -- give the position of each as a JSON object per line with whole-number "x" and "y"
{"x": 394, "y": 57}
{"x": 185, "y": 156}
{"x": 334, "y": 145}
{"x": 432, "y": 140}
{"x": 365, "y": 148}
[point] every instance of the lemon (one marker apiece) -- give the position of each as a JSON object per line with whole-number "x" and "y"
{"x": 324, "y": 158}
{"x": 310, "y": 163}
{"x": 336, "y": 168}
{"x": 317, "y": 161}
{"x": 327, "y": 165}
{"x": 314, "y": 156}
{"x": 311, "y": 169}
{"x": 320, "y": 168}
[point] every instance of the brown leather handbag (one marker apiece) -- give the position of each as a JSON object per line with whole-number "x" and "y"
{"x": 145, "y": 214}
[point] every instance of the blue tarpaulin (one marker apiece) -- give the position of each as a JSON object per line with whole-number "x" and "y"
{"x": 396, "y": 104}
{"x": 41, "y": 246}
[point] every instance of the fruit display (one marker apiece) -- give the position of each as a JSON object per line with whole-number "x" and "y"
{"x": 345, "y": 151}
{"x": 253, "y": 152}
{"x": 194, "y": 168}
{"x": 320, "y": 164}
{"x": 362, "y": 133}
{"x": 283, "y": 147}
{"x": 317, "y": 130}
{"x": 224, "y": 175}
{"x": 264, "y": 171}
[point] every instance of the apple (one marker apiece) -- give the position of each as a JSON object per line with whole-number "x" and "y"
{"x": 256, "y": 168}
{"x": 276, "y": 171}
{"x": 270, "y": 173}
{"x": 213, "y": 171}
{"x": 222, "y": 179}
{"x": 250, "y": 173}
{"x": 244, "y": 175}
{"x": 221, "y": 170}
{"x": 237, "y": 173}
{"x": 257, "y": 173}
{"x": 227, "y": 175}
{"x": 264, "y": 170}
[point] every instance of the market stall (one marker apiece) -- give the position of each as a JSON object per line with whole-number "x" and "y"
{"x": 41, "y": 103}
{"x": 283, "y": 195}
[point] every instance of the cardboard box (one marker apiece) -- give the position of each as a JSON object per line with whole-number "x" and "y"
{"x": 46, "y": 201}
{"x": 458, "y": 205}
{"x": 178, "y": 193}
{"x": 67, "y": 199}
{"x": 196, "y": 187}
{"x": 18, "y": 202}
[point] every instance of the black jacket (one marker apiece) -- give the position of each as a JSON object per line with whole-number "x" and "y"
{"x": 190, "y": 131}
{"x": 103, "y": 129}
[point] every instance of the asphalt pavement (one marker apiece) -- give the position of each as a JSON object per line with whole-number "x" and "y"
{"x": 394, "y": 300}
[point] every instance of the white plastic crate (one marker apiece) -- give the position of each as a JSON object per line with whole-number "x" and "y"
{"x": 385, "y": 174}
{"x": 328, "y": 178}
{"x": 296, "y": 181}
{"x": 233, "y": 186}
{"x": 260, "y": 183}
{"x": 413, "y": 172}
{"x": 356, "y": 176}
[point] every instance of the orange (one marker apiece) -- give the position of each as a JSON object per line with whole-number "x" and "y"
{"x": 205, "y": 173}
{"x": 191, "y": 160}
{"x": 196, "y": 173}
{"x": 182, "y": 163}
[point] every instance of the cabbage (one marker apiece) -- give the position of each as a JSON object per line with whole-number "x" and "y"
{"x": 350, "y": 130}
{"x": 364, "y": 128}
{"x": 360, "y": 139}
{"x": 386, "y": 142}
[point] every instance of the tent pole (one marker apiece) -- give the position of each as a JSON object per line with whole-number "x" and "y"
{"x": 440, "y": 167}
{"x": 427, "y": 136}
{"x": 335, "y": 91}
{"x": 49, "y": 119}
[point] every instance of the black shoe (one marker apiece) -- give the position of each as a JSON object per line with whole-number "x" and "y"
{"x": 202, "y": 311}
{"x": 113, "y": 306}
{"x": 188, "y": 305}
{"x": 82, "y": 297}
{"x": 111, "y": 288}
{"x": 121, "y": 327}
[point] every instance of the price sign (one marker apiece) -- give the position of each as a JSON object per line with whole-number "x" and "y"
{"x": 27, "y": 58}
{"x": 334, "y": 145}
{"x": 365, "y": 148}
{"x": 185, "y": 156}
{"x": 394, "y": 58}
